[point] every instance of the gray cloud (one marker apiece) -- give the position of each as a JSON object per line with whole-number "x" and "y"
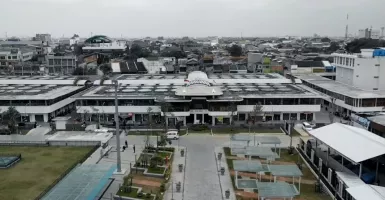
{"x": 132, "y": 18}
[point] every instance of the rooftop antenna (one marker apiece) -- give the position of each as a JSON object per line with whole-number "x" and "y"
{"x": 347, "y": 26}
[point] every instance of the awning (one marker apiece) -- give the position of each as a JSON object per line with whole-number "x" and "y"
{"x": 355, "y": 144}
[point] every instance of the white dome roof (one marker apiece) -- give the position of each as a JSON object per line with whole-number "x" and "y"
{"x": 197, "y": 75}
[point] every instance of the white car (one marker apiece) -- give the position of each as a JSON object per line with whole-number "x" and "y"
{"x": 306, "y": 126}
{"x": 172, "y": 135}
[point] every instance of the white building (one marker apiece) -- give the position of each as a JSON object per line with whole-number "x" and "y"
{"x": 201, "y": 98}
{"x": 364, "y": 70}
{"x": 61, "y": 64}
{"x": 345, "y": 97}
{"x": 369, "y": 33}
{"x": 39, "y": 98}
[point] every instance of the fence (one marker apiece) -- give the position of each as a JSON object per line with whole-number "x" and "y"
{"x": 64, "y": 174}
{"x": 23, "y": 143}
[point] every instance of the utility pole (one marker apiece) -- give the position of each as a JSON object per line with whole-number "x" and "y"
{"x": 118, "y": 161}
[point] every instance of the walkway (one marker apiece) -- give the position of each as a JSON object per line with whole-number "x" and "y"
{"x": 267, "y": 177}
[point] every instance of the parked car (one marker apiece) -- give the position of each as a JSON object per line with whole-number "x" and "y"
{"x": 306, "y": 126}
{"x": 172, "y": 135}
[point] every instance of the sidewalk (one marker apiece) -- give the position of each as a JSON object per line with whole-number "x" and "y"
{"x": 176, "y": 176}
{"x": 225, "y": 180}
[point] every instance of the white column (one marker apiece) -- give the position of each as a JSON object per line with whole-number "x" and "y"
{"x": 184, "y": 121}
{"x": 314, "y": 117}
{"x": 298, "y": 116}
{"x": 32, "y": 118}
{"x": 203, "y": 119}
{"x": 45, "y": 116}
{"x": 281, "y": 117}
{"x": 213, "y": 121}
{"x": 195, "y": 118}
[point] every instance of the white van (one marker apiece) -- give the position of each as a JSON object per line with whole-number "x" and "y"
{"x": 172, "y": 135}
{"x": 306, "y": 126}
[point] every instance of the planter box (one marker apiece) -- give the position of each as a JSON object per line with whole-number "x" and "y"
{"x": 116, "y": 197}
{"x": 146, "y": 173}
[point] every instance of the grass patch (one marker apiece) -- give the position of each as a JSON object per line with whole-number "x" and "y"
{"x": 308, "y": 192}
{"x": 156, "y": 170}
{"x": 286, "y": 157}
{"x": 133, "y": 193}
{"x": 227, "y": 151}
{"x": 37, "y": 170}
{"x": 230, "y": 164}
{"x": 244, "y": 130}
{"x": 164, "y": 154}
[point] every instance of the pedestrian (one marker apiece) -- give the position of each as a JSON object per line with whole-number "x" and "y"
{"x": 124, "y": 148}
{"x": 133, "y": 148}
{"x": 126, "y": 143}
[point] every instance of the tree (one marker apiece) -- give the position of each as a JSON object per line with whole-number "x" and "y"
{"x": 78, "y": 49}
{"x": 138, "y": 51}
{"x": 325, "y": 39}
{"x": 79, "y": 71}
{"x": 235, "y": 50}
{"x": 105, "y": 68}
{"x": 257, "y": 110}
{"x": 355, "y": 46}
{"x": 147, "y": 141}
{"x": 165, "y": 108}
{"x": 11, "y": 116}
{"x": 334, "y": 46}
{"x": 233, "y": 110}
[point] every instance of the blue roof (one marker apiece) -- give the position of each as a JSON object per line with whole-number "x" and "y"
{"x": 84, "y": 182}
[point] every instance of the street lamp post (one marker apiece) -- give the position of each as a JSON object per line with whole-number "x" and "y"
{"x": 119, "y": 164}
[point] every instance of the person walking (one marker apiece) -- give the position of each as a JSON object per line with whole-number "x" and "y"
{"x": 133, "y": 148}
{"x": 126, "y": 143}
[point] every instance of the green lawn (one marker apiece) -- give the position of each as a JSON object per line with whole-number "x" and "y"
{"x": 38, "y": 168}
{"x": 156, "y": 170}
{"x": 307, "y": 192}
{"x": 164, "y": 154}
{"x": 133, "y": 193}
{"x": 244, "y": 130}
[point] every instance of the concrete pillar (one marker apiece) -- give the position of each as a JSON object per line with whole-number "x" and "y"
{"x": 45, "y": 116}
{"x": 314, "y": 119}
{"x": 32, "y": 118}
{"x": 281, "y": 117}
{"x": 166, "y": 121}
{"x": 213, "y": 121}
{"x": 203, "y": 119}
{"x": 298, "y": 116}
{"x": 184, "y": 121}
{"x": 195, "y": 118}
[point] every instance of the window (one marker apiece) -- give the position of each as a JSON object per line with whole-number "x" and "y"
{"x": 242, "y": 117}
{"x": 2, "y": 57}
{"x": 353, "y": 62}
{"x": 3, "y": 63}
{"x": 9, "y": 57}
{"x": 14, "y": 57}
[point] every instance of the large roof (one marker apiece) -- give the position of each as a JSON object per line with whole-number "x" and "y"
{"x": 98, "y": 39}
{"x": 35, "y": 92}
{"x": 365, "y": 192}
{"x": 340, "y": 88}
{"x": 354, "y": 143}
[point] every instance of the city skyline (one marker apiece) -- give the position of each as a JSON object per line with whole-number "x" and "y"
{"x": 171, "y": 18}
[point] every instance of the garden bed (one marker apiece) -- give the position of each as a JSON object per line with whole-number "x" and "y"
{"x": 135, "y": 194}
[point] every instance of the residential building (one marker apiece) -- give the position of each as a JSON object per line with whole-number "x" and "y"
{"x": 43, "y": 37}
{"x": 101, "y": 43}
{"x": 308, "y": 66}
{"x": 10, "y": 57}
{"x": 201, "y": 98}
{"x": 61, "y": 64}
{"x": 364, "y": 70}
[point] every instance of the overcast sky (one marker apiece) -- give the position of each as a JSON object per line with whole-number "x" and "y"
{"x": 140, "y": 18}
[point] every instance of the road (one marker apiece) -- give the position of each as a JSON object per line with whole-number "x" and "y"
{"x": 201, "y": 181}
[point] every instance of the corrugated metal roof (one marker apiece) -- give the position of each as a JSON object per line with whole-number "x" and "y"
{"x": 354, "y": 143}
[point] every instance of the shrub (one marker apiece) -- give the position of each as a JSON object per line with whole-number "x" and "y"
{"x": 162, "y": 187}
{"x": 199, "y": 127}
{"x": 148, "y": 195}
{"x": 140, "y": 194}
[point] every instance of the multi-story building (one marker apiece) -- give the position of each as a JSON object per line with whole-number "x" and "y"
{"x": 61, "y": 64}
{"x": 365, "y": 70}
{"x": 369, "y": 33}
{"x": 43, "y": 37}
{"x": 39, "y": 98}
{"x": 101, "y": 43}
{"x": 201, "y": 98}
{"x": 11, "y": 57}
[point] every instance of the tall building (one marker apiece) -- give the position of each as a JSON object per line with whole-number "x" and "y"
{"x": 365, "y": 70}
{"x": 369, "y": 33}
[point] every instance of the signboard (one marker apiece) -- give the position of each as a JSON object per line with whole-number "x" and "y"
{"x": 360, "y": 121}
